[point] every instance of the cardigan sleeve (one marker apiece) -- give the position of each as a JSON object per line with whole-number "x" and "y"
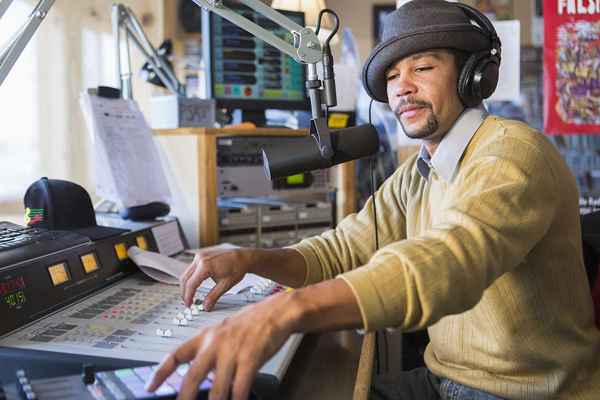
{"x": 352, "y": 243}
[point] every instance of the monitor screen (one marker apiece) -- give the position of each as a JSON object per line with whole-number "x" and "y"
{"x": 246, "y": 72}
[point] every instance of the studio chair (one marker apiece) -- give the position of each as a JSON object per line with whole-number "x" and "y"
{"x": 590, "y": 235}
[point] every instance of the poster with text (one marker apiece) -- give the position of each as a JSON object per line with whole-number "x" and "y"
{"x": 572, "y": 66}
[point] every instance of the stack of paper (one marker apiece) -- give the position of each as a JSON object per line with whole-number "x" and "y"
{"x": 128, "y": 168}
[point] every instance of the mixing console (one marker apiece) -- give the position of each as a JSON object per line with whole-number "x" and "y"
{"x": 128, "y": 321}
{"x": 90, "y": 304}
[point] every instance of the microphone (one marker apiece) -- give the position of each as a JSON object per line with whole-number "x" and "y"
{"x": 347, "y": 144}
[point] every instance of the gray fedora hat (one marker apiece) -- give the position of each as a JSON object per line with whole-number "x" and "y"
{"x": 416, "y": 26}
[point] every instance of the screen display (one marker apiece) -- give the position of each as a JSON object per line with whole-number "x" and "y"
{"x": 59, "y": 274}
{"x": 297, "y": 179}
{"x": 16, "y": 299}
{"x": 12, "y": 292}
{"x": 246, "y": 67}
{"x": 90, "y": 263}
{"x": 12, "y": 285}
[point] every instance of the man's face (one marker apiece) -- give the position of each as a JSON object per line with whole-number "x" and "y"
{"x": 422, "y": 92}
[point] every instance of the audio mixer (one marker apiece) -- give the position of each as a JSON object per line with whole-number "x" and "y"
{"x": 90, "y": 304}
{"x": 122, "y": 322}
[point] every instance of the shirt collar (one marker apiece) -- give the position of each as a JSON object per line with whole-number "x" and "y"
{"x": 448, "y": 153}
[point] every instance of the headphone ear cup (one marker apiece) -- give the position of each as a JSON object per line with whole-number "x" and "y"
{"x": 478, "y": 78}
{"x": 488, "y": 70}
{"x": 465, "y": 93}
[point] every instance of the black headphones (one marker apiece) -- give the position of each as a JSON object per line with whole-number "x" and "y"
{"x": 479, "y": 76}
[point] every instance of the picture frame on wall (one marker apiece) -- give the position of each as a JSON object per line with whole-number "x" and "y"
{"x": 379, "y": 13}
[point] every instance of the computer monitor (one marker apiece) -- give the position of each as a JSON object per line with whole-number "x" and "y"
{"x": 244, "y": 72}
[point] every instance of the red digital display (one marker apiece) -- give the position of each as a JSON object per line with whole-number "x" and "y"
{"x": 12, "y": 285}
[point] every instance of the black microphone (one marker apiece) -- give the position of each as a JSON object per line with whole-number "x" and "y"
{"x": 348, "y": 144}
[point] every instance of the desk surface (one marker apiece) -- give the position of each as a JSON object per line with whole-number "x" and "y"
{"x": 324, "y": 367}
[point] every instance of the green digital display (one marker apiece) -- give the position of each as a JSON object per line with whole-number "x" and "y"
{"x": 297, "y": 179}
{"x": 15, "y": 300}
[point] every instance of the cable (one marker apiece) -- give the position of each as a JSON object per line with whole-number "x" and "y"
{"x": 376, "y": 226}
{"x": 372, "y": 168}
{"x": 377, "y": 358}
{"x": 335, "y": 28}
{"x": 386, "y": 347}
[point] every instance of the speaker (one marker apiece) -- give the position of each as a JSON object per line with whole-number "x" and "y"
{"x": 479, "y": 76}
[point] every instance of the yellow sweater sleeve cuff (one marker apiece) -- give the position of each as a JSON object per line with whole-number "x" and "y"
{"x": 314, "y": 271}
{"x": 367, "y": 297}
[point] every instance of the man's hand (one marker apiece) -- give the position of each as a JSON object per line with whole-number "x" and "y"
{"x": 235, "y": 349}
{"x": 228, "y": 265}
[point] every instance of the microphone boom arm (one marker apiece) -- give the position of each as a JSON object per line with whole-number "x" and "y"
{"x": 11, "y": 51}
{"x": 307, "y": 49}
{"x": 126, "y": 26}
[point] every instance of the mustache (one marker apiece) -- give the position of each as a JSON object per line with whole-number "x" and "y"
{"x": 410, "y": 101}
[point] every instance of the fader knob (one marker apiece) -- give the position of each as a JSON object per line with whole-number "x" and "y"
{"x": 89, "y": 374}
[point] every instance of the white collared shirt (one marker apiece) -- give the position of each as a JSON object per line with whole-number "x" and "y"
{"x": 448, "y": 153}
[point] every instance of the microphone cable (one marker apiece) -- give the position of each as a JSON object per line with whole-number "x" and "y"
{"x": 327, "y": 46}
{"x": 336, "y": 26}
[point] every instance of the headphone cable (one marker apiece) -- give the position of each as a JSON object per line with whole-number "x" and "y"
{"x": 376, "y": 226}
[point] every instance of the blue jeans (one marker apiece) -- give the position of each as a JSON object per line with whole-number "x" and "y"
{"x": 450, "y": 390}
{"x": 421, "y": 384}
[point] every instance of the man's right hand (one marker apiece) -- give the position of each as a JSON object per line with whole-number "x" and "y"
{"x": 226, "y": 266}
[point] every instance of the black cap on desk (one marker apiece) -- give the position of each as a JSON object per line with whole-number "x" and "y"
{"x": 63, "y": 206}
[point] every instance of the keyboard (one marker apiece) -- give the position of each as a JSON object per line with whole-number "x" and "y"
{"x": 19, "y": 243}
{"x": 13, "y": 235}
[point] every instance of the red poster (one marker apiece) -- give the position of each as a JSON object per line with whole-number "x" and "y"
{"x": 572, "y": 66}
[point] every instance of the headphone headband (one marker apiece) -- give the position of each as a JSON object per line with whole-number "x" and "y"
{"x": 484, "y": 23}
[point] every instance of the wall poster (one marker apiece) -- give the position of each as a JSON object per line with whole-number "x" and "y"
{"x": 572, "y": 66}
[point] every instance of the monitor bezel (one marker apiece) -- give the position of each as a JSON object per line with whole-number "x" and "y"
{"x": 251, "y": 104}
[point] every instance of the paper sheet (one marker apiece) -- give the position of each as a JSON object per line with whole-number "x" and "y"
{"x": 128, "y": 169}
{"x": 168, "y": 270}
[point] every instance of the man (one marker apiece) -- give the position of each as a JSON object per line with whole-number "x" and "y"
{"x": 479, "y": 243}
